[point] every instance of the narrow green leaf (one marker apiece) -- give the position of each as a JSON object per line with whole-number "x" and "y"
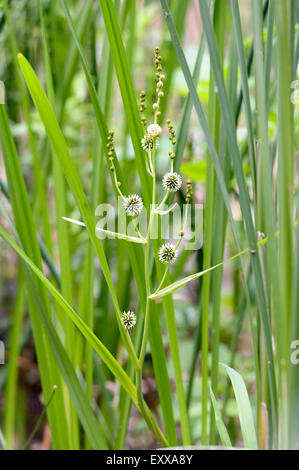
{"x": 183, "y": 128}
{"x": 182, "y": 282}
{"x": 60, "y": 147}
{"x": 121, "y": 236}
{"x": 76, "y": 319}
{"x": 244, "y": 409}
{"x": 84, "y": 410}
{"x": 245, "y": 88}
{"x": 127, "y": 90}
{"x": 12, "y": 372}
{"x": 62, "y": 233}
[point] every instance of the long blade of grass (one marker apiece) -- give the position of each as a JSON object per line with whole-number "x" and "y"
{"x": 265, "y": 213}
{"x": 12, "y": 372}
{"x": 245, "y": 89}
{"x": 39, "y": 421}
{"x": 99, "y": 115}
{"x": 120, "y": 236}
{"x": 214, "y": 118}
{"x": 84, "y": 410}
{"x": 249, "y": 62}
{"x": 244, "y": 198}
{"x": 224, "y": 436}
{"x": 293, "y": 411}
{"x": 27, "y": 232}
{"x": 62, "y": 232}
{"x": 127, "y": 91}
{"x": 220, "y": 229}
{"x": 83, "y": 19}
{"x": 39, "y": 181}
{"x": 244, "y": 409}
{"x": 59, "y": 145}
{"x": 104, "y": 84}
{"x": 285, "y": 176}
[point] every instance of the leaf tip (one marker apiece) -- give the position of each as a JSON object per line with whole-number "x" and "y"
{"x": 20, "y": 58}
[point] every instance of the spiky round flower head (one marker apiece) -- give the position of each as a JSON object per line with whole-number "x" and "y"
{"x": 147, "y": 143}
{"x": 172, "y": 182}
{"x": 167, "y": 253}
{"x": 128, "y": 319}
{"x": 154, "y": 130}
{"x": 133, "y": 204}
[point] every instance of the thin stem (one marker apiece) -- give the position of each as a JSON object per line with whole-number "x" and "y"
{"x": 150, "y": 163}
{"x": 148, "y": 290}
{"x": 162, "y": 202}
{"x": 39, "y": 421}
{"x": 163, "y": 278}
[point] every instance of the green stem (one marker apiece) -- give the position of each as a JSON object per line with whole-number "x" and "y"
{"x": 285, "y": 194}
{"x": 12, "y": 372}
{"x": 39, "y": 421}
{"x": 149, "y": 419}
{"x": 214, "y": 122}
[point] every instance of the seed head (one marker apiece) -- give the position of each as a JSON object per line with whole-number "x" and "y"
{"x": 171, "y": 131}
{"x": 133, "y": 204}
{"x": 142, "y": 106}
{"x": 128, "y": 319}
{"x": 167, "y": 253}
{"x": 189, "y": 191}
{"x": 110, "y": 143}
{"x": 172, "y": 182}
{"x": 154, "y": 130}
{"x": 147, "y": 143}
